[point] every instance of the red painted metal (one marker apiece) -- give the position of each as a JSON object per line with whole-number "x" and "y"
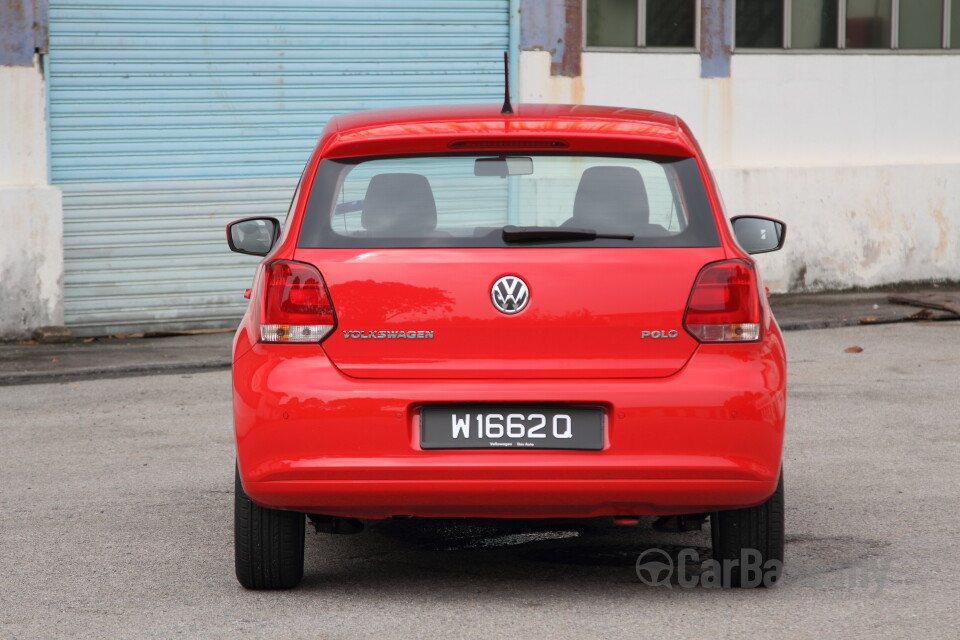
{"x": 582, "y": 321}
{"x": 332, "y": 428}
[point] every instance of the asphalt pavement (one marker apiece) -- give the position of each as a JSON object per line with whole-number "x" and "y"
{"x": 116, "y": 506}
{"x": 27, "y": 362}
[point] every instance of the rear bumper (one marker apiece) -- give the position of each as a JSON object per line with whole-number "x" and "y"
{"x": 509, "y": 498}
{"x": 311, "y": 439}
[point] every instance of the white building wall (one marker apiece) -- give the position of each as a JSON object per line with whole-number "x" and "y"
{"x": 31, "y": 215}
{"x": 859, "y": 154}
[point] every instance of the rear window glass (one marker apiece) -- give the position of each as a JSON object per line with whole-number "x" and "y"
{"x": 467, "y": 201}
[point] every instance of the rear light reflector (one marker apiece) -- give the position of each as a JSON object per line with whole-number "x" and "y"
{"x": 293, "y": 332}
{"x": 295, "y": 305}
{"x": 724, "y": 305}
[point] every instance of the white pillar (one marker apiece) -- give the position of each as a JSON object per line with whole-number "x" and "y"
{"x": 31, "y": 211}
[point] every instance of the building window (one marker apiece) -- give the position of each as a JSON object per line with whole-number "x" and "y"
{"x": 646, "y": 24}
{"x": 813, "y": 24}
{"x": 914, "y": 25}
{"x": 759, "y": 23}
{"x": 921, "y": 24}
{"x": 868, "y": 24}
{"x": 953, "y": 25}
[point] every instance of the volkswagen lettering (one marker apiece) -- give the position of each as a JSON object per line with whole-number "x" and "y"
{"x": 534, "y": 312}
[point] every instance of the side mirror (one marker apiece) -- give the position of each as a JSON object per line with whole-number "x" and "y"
{"x": 759, "y": 235}
{"x": 253, "y": 236}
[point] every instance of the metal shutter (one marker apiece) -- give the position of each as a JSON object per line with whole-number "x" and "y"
{"x": 169, "y": 120}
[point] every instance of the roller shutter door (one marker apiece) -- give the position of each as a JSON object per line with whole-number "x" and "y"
{"x": 167, "y": 120}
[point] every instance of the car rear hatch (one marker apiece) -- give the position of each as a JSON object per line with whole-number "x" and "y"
{"x": 430, "y": 312}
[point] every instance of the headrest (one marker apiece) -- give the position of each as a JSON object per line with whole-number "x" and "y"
{"x": 610, "y": 198}
{"x": 399, "y": 203}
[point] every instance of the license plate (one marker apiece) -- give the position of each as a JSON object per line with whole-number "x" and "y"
{"x": 511, "y": 427}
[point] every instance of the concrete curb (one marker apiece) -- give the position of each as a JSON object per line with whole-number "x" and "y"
{"x": 106, "y": 373}
{"x": 183, "y": 354}
{"x": 37, "y": 368}
{"x": 808, "y": 325}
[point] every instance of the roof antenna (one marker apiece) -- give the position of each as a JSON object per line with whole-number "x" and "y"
{"x": 507, "y": 107}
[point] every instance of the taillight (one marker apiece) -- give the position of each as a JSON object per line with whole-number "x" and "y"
{"x": 725, "y": 304}
{"x": 295, "y": 305}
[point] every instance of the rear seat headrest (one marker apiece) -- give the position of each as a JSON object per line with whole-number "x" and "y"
{"x": 611, "y": 195}
{"x": 400, "y": 203}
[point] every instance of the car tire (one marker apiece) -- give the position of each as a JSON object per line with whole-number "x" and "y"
{"x": 751, "y": 537}
{"x": 268, "y": 543}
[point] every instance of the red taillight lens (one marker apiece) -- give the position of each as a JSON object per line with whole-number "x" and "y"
{"x": 725, "y": 304}
{"x": 295, "y": 305}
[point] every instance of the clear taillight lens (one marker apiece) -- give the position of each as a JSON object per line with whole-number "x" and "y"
{"x": 295, "y": 305}
{"x": 725, "y": 304}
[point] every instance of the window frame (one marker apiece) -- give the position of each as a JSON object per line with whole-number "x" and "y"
{"x": 642, "y": 32}
{"x": 841, "y": 48}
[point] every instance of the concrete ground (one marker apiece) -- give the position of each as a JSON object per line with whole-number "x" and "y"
{"x": 117, "y": 494}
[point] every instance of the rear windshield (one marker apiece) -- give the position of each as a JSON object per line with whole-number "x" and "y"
{"x": 468, "y": 201}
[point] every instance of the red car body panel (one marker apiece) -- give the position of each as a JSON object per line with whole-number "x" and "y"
{"x": 590, "y": 335}
{"x": 333, "y": 428}
{"x": 433, "y": 129}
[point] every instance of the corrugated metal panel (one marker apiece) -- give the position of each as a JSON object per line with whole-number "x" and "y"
{"x": 220, "y": 105}
{"x": 144, "y": 256}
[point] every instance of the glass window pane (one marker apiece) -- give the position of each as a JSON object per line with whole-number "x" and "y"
{"x": 440, "y": 201}
{"x": 612, "y": 23}
{"x": 671, "y": 23}
{"x": 921, "y": 24}
{"x": 813, "y": 24}
{"x": 955, "y": 25}
{"x": 868, "y": 24}
{"x": 759, "y": 24}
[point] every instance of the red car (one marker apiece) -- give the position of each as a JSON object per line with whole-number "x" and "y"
{"x": 534, "y": 314}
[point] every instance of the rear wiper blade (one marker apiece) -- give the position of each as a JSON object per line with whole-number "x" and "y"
{"x": 532, "y": 234}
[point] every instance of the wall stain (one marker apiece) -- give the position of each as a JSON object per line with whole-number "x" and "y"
{"x": 798, "y": 279}
{"x": 716, "y": 29}
{"x": 555, "y": 26}
{"x": 940, "y": 252}
{"x": 573, "y": 35}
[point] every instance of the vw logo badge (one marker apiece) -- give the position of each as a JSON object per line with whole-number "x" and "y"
{"x": 510, "y": 294}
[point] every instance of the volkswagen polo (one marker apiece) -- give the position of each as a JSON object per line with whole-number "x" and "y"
{"x": 532, "y": 314}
